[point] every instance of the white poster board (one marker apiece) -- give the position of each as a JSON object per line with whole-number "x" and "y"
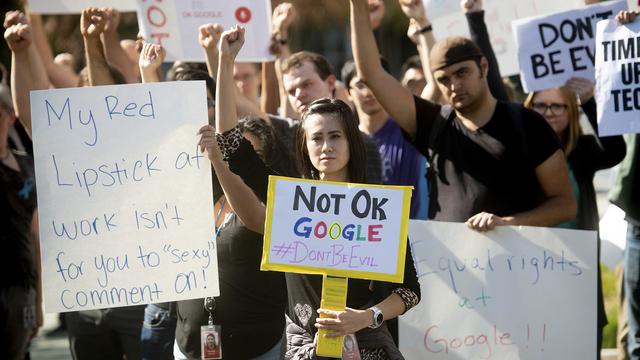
{"x": 554, "y": 48}
{"x": 618, "y": 77}
{"x": 174, "y": 24}
{"x": 76, "y": 6}
{"x": 511, "y": 293}
{"x": 340, "y": 229}
{"x": 124, "y": 195}
{"x": 448, "y": 20}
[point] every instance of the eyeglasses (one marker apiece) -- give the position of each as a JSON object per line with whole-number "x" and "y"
{"x": 556, "y": 109}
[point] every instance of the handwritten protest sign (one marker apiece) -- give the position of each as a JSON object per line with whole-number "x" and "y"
{"x": 618, "y": 77}
{"x": 338, "y": 229}
{"x": 511, "y": 293}
{"x": 448, "y": 20}
{"x": 76, "y": 6}
{"x": 124, "y": 195}
{"x": 175, "y": 24}
{"x": 554, "y": 48}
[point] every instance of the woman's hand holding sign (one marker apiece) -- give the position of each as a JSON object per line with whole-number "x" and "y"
{"x": 624, "y": 17}
{"x": 340, "y": 323}
{"x": 208, "y": 142}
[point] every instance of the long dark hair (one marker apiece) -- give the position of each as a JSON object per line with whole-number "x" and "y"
{"x": 276, "y": 155}
{"x": 357, "y": 165}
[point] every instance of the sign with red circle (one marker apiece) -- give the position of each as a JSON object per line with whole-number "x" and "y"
{"x": 243, "y": 14}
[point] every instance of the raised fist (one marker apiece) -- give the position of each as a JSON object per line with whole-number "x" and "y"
{"x": 14, "y": 17}
{"x": 414, "y": 9}
{"x": 283, "y": 16}
{"x": 231, "y": 41}
{"x": 209, "y": 35}
{"x": 92, "y": 22}
{"x": 18, "y": 37}
{"x": 468, "y": 6}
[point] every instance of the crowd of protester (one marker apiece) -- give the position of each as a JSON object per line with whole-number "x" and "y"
{"x": 446, "y": 127}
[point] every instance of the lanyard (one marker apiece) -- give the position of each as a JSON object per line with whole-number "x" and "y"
{"x": 215, "y": 219}
{"x": 210, "y": 302}
{"x": 210, "y": 306}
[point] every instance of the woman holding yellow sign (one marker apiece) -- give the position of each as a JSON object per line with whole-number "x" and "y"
{"x": 330, "y": 148}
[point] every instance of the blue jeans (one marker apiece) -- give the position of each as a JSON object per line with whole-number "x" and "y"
{"x": 158, "y": 333}
{"x": 632, "y": 288}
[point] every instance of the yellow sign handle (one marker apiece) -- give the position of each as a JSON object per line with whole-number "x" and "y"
{"x": 334, "y": 297}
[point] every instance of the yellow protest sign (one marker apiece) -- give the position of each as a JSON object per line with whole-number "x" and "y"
{"x": 338, "y": 229}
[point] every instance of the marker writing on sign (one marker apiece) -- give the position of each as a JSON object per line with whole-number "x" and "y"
{"x": 336, "y": 255}
{"x": 335, "y": 231}
{"x": 67, "y": 113}
{"x": 157, "y": 18}
{"x": 107, "y": 297}
{"x": 110, "y": 174}
{"x": 484, "y": 344}
{"x": 568, "y": 31}
{"x": 362, "y": 205}
{"x": 537, "y": 265}
{"x": 627, "y": 99}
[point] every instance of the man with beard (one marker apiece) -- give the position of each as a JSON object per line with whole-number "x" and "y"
{"x": 491, "y": 162}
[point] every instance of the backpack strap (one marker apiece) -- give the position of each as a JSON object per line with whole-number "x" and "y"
{"x": 438, "y": 127}
{"x": 435, "y": 136}
{"x": 516, "y": 114}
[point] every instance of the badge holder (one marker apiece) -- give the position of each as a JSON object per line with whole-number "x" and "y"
{"x": 350, "y": 350}
{"x": 210, "y": 335}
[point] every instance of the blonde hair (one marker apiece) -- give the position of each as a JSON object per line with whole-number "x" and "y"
{"x": 569, "y": 136}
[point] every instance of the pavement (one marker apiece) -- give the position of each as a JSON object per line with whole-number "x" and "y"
{"x": 50, "y": 347}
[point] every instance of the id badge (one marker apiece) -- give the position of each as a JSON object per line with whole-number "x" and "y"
{"x": 211, "y": 342}
{"x": 350, "y": 349}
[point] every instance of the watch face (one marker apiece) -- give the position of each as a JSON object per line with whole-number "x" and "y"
{"x": 379, "y": 319}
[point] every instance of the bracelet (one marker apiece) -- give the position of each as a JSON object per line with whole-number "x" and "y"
{"x": 426, "y": 29}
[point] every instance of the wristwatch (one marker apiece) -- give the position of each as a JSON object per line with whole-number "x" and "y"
{"x": 378, "y": 317}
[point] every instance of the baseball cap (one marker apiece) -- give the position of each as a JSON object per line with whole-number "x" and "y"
{"x": 452, "y": 50}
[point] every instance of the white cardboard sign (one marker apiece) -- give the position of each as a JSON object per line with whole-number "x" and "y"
{"x": 339, "y": 229}
{"x": 124, "y": 195}
{"x": 618, "y": 77}
{"x": 174, "y": 24}
{"x": 510, "y": 293}
{"x": 448, "y": 20}
{"x": 554, "y": 48}
{"x": 76, "y": 6}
